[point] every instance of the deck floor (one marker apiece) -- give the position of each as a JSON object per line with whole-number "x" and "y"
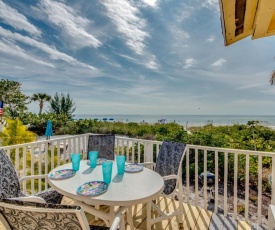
{"x": 193, "y": 218}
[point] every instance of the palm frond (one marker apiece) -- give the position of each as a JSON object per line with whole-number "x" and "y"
{"x": 272, "y": 78}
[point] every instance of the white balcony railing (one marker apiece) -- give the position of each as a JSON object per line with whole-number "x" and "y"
{"x": 42, "y": 156}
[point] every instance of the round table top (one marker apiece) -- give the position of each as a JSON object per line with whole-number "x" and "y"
{"x": 124, "y": 190}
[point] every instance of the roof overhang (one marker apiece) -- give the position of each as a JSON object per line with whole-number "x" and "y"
{"x": 242, "y": 18}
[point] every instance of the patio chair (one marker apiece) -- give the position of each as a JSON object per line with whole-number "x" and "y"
{"x": 16, "y": 214}
{"x": 10, "y": 184}
{"x": 168, "y": 165}
{"x": 104, "y": 144}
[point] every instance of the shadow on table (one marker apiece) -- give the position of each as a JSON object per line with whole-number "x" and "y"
{"x": 88, "y": 171}
{"x": 117, "y": 178}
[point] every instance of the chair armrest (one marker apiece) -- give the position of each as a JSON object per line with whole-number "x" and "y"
{"x": 119, "y": 219}
{"x": 169, "y": 177}
{"x": 29, "y": 199}
{"x": 149, "y": 164}
{"x": 271, "y": 217}
{"x": 24, "y": 178}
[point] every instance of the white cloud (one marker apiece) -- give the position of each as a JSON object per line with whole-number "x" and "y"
{"x": 54, "y": 54}
{"x": 189, "y": 62}
{"x": 18, "y": 67}
{"x": 210, "y": 39}
{"x": 151, "y": 63}
{"x": 125, "y": 17}
{"x": 67, "y": 20}
{"x": 219, "y": 62}
{"x": 14, "y": 50}
{"x": 152, "y": 3}
{"x": 211, "y": 4}
{"x": 18, "y": 21}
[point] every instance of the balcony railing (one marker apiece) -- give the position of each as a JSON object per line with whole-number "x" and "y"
{"x": 231, "y": 183}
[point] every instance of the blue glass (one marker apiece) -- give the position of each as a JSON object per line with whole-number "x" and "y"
{"x": 93, "y": 158}
{"x": 107, "y": 168}
{"x": 76, "y": 161}
{"x": 120, "y": 161}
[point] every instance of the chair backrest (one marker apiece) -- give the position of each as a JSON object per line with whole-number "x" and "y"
{"x": 9, "y": 183}
{"x": 104, "y": 144}
{"x": 169, "y": 161}
{"x": 28, "y": 215}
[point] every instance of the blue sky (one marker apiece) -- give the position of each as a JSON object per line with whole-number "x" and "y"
{"x": 135, "y": 57}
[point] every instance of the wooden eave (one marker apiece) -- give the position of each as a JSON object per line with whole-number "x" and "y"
{"x": 265, "y": 19}
{"x": 237, "y": 19}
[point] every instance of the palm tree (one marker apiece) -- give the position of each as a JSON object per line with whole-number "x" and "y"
{"x": 41, "y": 97}
{"x": 62, "y": 105}
{"x": 272, "y": 78}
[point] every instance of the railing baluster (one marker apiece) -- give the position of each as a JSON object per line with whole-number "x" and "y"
{"x": 196, "y": 178}
{"x": 157, "y": 151}
{"x": 117, "y": 146}
{"x": 122, "y": 150}
{"x": 260, "y": 173}
{"x": 235, "y": 184}
{"x": 24, "y": 166}
{"x": 127, "y": 151}
{"x": 273, "y": 181}
{"x": 32, "y": 168}
{"x": 246, "y": 187}
{"x": 74, "y": 145}
{"x": 52, "y": 156}
{"x": 84, "y": 145}
{"x": 225, "y": 181}
{"x": 46, "y": 159}
{"x": 133, "y": 151}
{"x": 78, "y": 146}
{"x": 187, "y": 176}
{"x": 138, "y": 152}
{"x": 58, "y": 152}
{"x": 9, "y": 153}
{"x": 216, "y": 182}
{"x": 17, "y": 161}
{"x": 39, "y": 167}
{"x": 70, "y": 148}
{"x": 205, "y": 178}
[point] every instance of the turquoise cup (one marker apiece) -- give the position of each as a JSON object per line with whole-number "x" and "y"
{"x": 107, "y": 168}
{"x": 93, "y": 158}
{"x": 120, "y": 162}
{"x": 75, "y": 161}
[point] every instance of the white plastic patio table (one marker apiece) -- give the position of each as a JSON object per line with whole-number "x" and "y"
{"x": 124, "y": 190}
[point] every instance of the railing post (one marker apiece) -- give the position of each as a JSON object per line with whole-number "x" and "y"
{"x": 273, "y": 182}
{"x": 148, "y": 152}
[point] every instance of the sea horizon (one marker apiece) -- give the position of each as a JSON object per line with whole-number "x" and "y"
{"x": 185, "y": 120}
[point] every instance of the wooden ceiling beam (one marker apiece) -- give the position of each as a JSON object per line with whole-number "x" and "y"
{"x": 263, "y": 19}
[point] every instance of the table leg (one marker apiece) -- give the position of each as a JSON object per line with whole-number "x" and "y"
{"x": 148, "y": 220}
{"x": 130, "y": 217}
{"x": 96, "y": 207}
{"x": 112, "y": 214}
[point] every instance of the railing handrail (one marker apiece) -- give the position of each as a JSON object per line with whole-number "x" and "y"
{"x": 239, "y": 151}
{"x": 41, "y": 141}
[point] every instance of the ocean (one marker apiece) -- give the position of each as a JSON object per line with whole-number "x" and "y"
{"x": 185, "y": 120}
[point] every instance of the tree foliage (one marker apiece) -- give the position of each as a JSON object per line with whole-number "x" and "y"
{"x": 15, "y": 133}
{"x": 41, "y": 98}
{"x": 61, "y": 104}
{"x": 14, "y": 100}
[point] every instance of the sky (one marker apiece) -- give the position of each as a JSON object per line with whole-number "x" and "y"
{"x": 162, "y": 57}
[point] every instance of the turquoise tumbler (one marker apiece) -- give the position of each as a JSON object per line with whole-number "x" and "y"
{"x": 93, "y": 158}
{"x": 107, "y": 168}
{"x": 76, "y": 161}
{"x": 120, "y": 161}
